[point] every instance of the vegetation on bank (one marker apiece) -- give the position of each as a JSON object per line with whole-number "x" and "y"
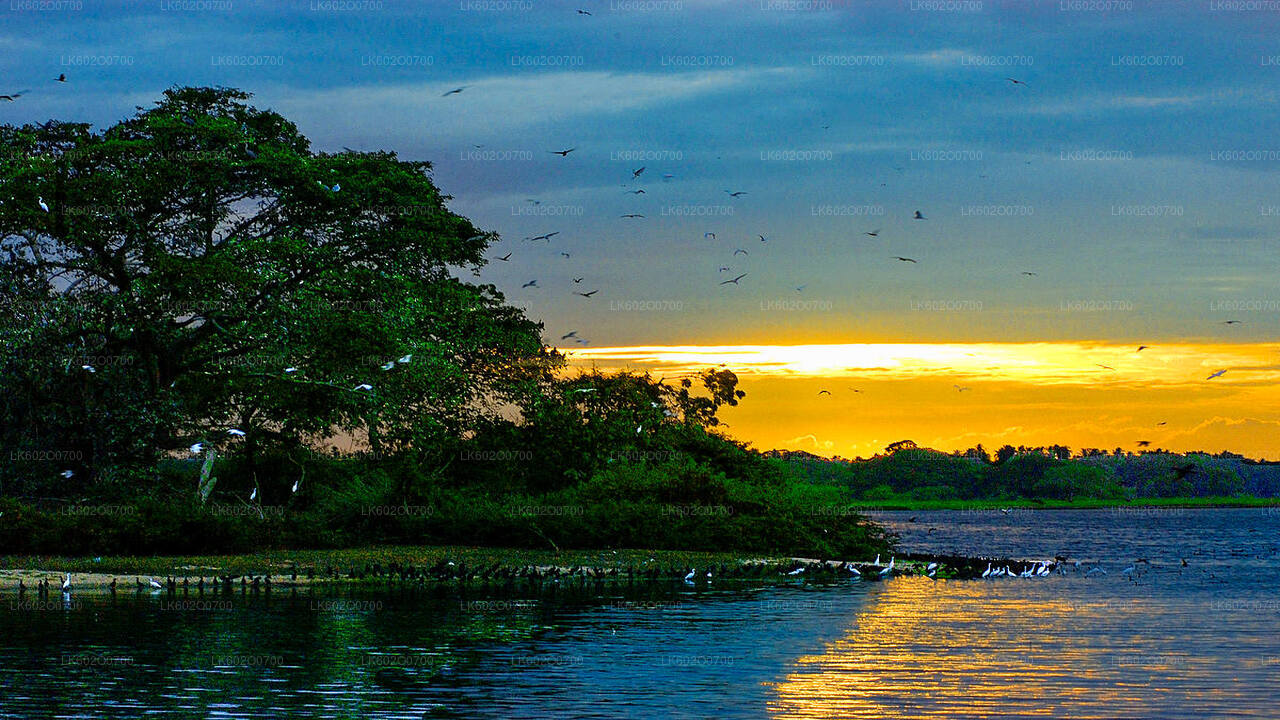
{"x": 911, "y": 477}
{"x": 198, "y": 307}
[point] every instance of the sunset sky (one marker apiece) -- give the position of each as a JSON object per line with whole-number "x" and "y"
{"x": 1132, "y": 171}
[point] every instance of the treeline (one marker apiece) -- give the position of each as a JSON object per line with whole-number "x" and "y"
{"x": 907, "y": 472}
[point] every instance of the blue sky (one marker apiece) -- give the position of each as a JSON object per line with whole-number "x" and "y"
{"x": 1135, "y": 171}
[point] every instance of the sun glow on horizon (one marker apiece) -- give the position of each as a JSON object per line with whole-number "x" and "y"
{"x": 853, "y": 399}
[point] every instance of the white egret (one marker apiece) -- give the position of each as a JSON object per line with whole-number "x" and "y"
{"x": 888, "y": 568}
{"x": 235, "y": 431}
{"x": 196, "y": 448}
{"x": 253, "y": 495}
{"x": 689, "y": 578}
{"x": 388, "y": 365}
{"x": 66, "y": 584}
{"x": 295, "y": 485}
{"x": 797, "y": 571}
{"x": 405, "y": 358}
{"x": 987, "y": 572}
{"x": 154, "y": 585}
{"x": 363, "y": 386}
{"x": 43, "y": 206}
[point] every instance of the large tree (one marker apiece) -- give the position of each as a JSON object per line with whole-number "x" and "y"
{"x": 198, "y": 267}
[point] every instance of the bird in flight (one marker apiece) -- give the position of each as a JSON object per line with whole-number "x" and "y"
{"x": 1141, "y": 348}
{"x": 455, "y": 91}
{"x": 873, "y": 233}
{"x": 636, "y": 192}
{"x": 903, "y": 259}
{"x": 587, "y": 294}
{"x": 546, "y": 237}
{"x": 571, "y": 333}
{"x": 12, "y": 97}
{"x": 959, "y": 389}
{"x": 505, "y": 258}
{"x": 62, "y": 77}
{"x": 734, "y": 281}
{"x": 739, "y": 193}
{"x": 801, "y": 288}
{"x": 583, "y": 12}
{"x": 1232, "y": 322}
{"x": 1144, "y": 443}
{"x": 562, "y": 153}
{"x": 636, "y": 173}
{"x": 1217, "y": 374}
{"x": 531, "y": 283}
{"x": 709, "y": 235}
{"x": 1162, "y": 422}
{"x": 1106, "y": 367}
{"x": 1015, "y": 81}
{"x": 739, "y": 250}
{"x": 578, "y": 280}
{"x": 565, "y": 254}
{"x": 918, "y": 216}
{"x": 1029, "y": 274}
{"x": 725, "y": 268}
{"x": 855, "y": 390}
{"x": 821, "y": 392}
{"x": 633, "y": 215}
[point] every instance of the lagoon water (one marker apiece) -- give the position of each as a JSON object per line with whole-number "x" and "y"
{"x": 1164, "y": 641}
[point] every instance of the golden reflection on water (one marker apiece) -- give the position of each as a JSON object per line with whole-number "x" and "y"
{"x": 984, "y": 649}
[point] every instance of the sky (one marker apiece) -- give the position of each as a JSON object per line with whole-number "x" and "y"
{"x": 1122, "y": 192}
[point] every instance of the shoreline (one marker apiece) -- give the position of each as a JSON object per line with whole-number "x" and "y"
{"x": 1186, "y": 503}
{"x": 285, "y": 570}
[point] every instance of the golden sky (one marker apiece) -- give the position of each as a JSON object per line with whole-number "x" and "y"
{"x": 1017, "y": 393}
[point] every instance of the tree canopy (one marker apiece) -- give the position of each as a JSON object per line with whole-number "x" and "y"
{"x": 198, "y": 268}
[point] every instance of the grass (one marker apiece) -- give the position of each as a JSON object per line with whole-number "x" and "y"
{"x": 1080, "y": 504}
{"x": 283, "y": 562}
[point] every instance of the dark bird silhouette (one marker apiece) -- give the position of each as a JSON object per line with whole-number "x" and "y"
{"x": 1014, "y": 81}
{"x": 821, "y": 392}
{"x": 918, "y": 216}
{"x": 583, "y": 12}
{"x": 633, "y": 215}
{"x": 455, "y": 91}
{"x": 734, "y": 281}
{"x": 1232, "y": 322}
{"x": 739, "y": 250}
{"x": 565, "y": 254}
{"x": 12, "y": 97}
{"x": 1141, "y": 348}
{"x": 1106, "y": 367}
{"x": 562, "y": 153}
{"x": 578, "y": 280}
{"x": 739, "y": 193}
{"x": 571, "y": 333}
{"x": 636, "y": 192}
{"x": 1029, "y": 274}
{"x": 587, "y": 294}
{"x": 1217, "y": 374}
{"x": 505, "y": 258}
{"x": 762, "y": 238}
{"x": 531, "y": 283}
{"x": 903, "y": 259}
{"x": 709, "y": 235}
{"x": 636, "y": 173}
{"x": 62, "y": 77}
{"x": 1144, "y": 443}
{"x": 1162, "y": 422}
{"x": 873, "y": 233}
